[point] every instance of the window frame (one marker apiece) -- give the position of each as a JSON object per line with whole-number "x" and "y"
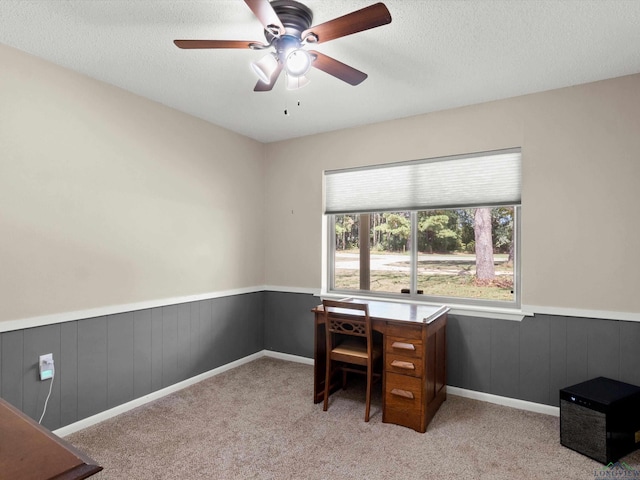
{"x": 413, "y": 296}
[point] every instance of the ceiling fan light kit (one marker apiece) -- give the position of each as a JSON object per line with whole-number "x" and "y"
{"x": 265, "y": 67}
{"x": 294, "y": 83}
{"x": 287, "y": 31}
{"x": 298, "y": 62}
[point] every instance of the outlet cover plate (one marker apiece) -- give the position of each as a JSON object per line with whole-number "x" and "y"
{"x": 46, "y": 366}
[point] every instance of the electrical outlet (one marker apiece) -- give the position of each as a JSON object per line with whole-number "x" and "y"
{"x": 46, "y": 366}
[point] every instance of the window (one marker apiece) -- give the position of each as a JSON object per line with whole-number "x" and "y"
{"x": 454, "y": 239}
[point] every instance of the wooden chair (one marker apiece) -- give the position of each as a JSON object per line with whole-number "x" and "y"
{"x": 350, "y": 346}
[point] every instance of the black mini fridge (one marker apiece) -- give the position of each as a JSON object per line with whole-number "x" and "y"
{"x": 600, "y": 418}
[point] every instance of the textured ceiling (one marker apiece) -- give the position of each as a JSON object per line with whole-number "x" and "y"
{"x": 435, "y": 54}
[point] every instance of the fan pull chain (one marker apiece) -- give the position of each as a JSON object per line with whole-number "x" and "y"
{"x": 286, "y": 109}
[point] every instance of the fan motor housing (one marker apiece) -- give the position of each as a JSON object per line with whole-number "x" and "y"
{"x": 295, "y": 18}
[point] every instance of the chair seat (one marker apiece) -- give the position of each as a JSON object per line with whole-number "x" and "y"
{"x": 355, "y": 351}
{"x": 352, "y": 347}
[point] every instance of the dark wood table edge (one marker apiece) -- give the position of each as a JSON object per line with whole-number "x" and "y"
{"x": 80, "y": 472}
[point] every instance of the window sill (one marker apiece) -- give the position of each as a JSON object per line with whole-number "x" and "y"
{"x": 512, "y": 314}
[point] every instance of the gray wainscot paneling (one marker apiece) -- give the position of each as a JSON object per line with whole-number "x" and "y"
{"x": 604, "y": 348}
{"x": 120, "y": 364}
{"x": 476, "y": 350}
{"x": 156, "y": 349}
{"x": 68, "y": 374}
{"x": 576, "y": 350}
{"x": 533, "y": 359}
{"x": 505, "y": 358}
{"x": 289, "y": 322}
{"x": 142, "y": 353}
{"x": 106, "y": 361}
{"x": 534, "y": 353}
{"x": 630, "y": 352}
{"x": 169, "y": 345}
{"x": 92, "y": 366}
{"x": 11, "y": 364}
{"x": 557, "y": 357}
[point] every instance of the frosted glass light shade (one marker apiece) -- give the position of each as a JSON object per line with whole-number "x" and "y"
{"x": 293, "y": 83}
{"x": 265, "y": 67}
{"x": 298, "y": 62}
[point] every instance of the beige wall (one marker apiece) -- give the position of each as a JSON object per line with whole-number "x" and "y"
{"x": 108, "y": 199}
{"x": 580, "y": 200}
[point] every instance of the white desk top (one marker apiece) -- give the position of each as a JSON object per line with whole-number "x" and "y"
{"x": 405, "y": 312}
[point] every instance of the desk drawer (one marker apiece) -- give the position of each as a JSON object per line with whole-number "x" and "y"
{"x": 404, "y": 330}
{"x": 403, "y": 365}
{"x": 403, "y": 395}
{"x": 404, "y": 346}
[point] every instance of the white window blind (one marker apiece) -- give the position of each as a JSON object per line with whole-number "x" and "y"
{"x": 490, "y": 178}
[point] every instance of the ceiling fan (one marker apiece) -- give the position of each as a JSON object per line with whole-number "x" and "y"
{"x": 287, "y": 31}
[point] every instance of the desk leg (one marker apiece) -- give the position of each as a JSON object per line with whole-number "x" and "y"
{"x": 320, "y": 361}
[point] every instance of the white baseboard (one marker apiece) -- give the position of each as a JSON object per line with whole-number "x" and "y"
{"x": 506, "y": 401}
{"x": 288, "y": 357}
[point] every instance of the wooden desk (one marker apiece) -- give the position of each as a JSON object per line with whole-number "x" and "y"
{"x": 414, "y": 375}
{"x": 29, "y": 451}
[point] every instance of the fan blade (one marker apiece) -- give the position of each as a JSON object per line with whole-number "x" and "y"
{"x": 215, "y": 43}
{"x": 338, "y": 69}
{"x": 354, "y": 22}
{"x": 265, "y": 13}
{"x": 266, "y": 87}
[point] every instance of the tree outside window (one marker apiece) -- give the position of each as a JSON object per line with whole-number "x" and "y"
{"x": 461, "y": 253}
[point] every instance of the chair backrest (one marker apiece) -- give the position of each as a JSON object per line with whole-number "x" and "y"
{"x": 347, "y": 318}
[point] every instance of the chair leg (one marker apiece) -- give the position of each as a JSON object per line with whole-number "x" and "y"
{"x": 368, "y": 401}
{"x": 327, "y": 384}
{"x": 344, "y": 379}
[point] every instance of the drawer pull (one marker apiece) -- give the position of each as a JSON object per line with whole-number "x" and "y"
{"x": 405, "y": 365}
{"x": 402, "y": 393}
{"x": 403, "y": 346}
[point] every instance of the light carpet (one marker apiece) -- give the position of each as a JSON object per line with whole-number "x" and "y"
{"x": 258, "y": 421}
